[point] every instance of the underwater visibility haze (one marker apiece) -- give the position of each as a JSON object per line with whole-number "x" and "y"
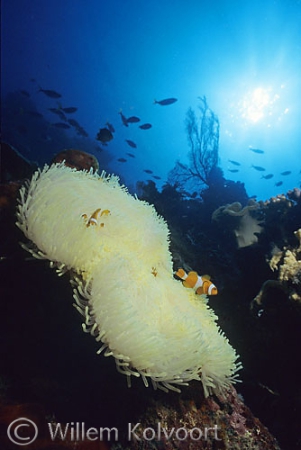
{"x": 108, "y": 59}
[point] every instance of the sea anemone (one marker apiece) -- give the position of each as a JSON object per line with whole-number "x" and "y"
{"x": 118, "y": 248}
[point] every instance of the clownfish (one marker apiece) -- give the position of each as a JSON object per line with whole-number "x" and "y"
{"x": 201, "y": 284}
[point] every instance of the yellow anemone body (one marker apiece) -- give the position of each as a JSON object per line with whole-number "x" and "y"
{"x": 119, "y": 247}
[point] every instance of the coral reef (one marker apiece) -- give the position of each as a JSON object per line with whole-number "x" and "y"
{"x": 248, "y": 227}
{"x": 269, "y": 334}
{"x": 77, "y": 159}
{"x": 65, "y": 386}
{"x": 222, "y": 422}
{"x": 287, "y": 263}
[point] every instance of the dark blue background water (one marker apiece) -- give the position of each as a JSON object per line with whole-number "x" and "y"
{"x": 103, "y": 56}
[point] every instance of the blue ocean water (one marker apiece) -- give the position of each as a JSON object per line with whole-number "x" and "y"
{"x": 120, "y": 55}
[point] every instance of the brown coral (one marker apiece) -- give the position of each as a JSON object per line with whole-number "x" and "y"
{"x": 77, "y": 159}
{"x": 221, "y": 422}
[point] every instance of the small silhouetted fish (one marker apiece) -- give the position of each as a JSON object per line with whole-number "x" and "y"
{"x": 58, "y": 112}
{"x": 259, "y": 168}
{"x": 166, "y": 101}
{"x": 55, "y": 110}
{"x": 287, "y": 172}
{"x": 61, "y": 125}
{"x": 267, "y": 177}
{"x": 50, "y": 93}
{"x": 131, "y": 155}
{"x": 74, "y": 123}
{"x": 145, "y": 126}
{"x": 279, "y": 183}
{"x": 233, "y": 170}
{"x": 35, "y": 114}
{"x": 131, "y": 143}
{"x": 156, "y": 177}
{"x": 25, "y": 93}
{"x": 70, "y": 109}
{"x": 110, "y": 127}
{"x": 256, "y": 150}
{"x": 104, "y": 135}
{"x": 133, "y": 119}
{"x": 123, "y": 119}
{"x": 81, "y": 131}
{"x": 148, "y": 171}
{"x": 123, "y": 160}
{"x": 235, "y": 163}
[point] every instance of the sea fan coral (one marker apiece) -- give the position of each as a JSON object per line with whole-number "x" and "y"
{"x": 119, "y": 248}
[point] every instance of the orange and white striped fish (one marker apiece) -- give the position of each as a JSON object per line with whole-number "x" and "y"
{"x": 201, "y": 284}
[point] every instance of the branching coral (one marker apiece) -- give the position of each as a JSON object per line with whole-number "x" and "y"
{"x": 288, "y": 264}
